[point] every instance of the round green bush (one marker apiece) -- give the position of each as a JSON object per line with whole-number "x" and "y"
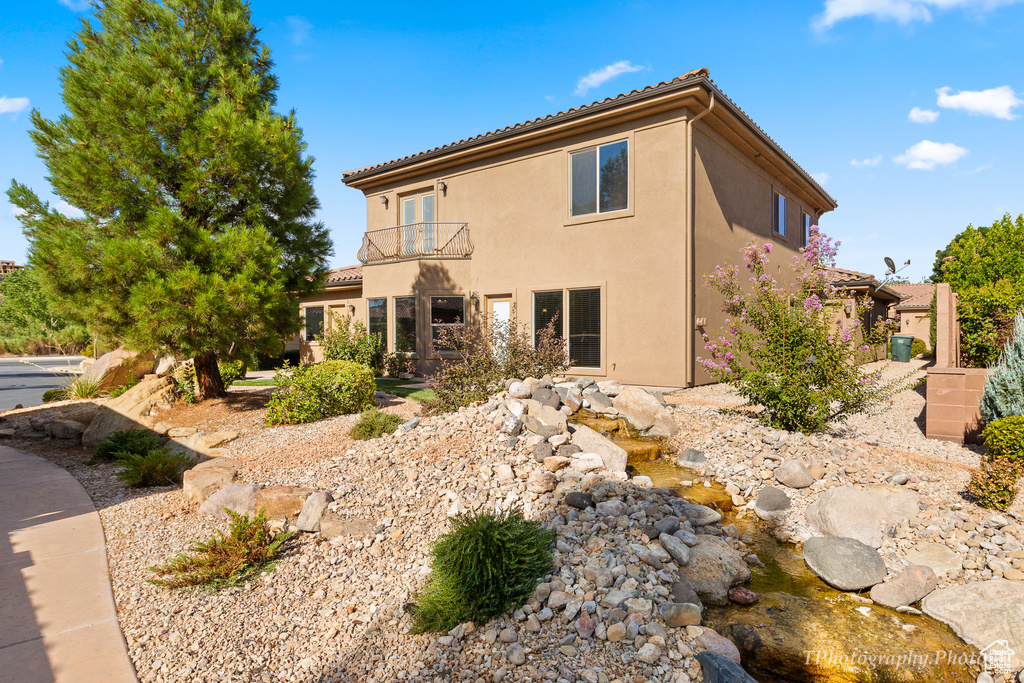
{"x": 1004, "y": 439}
{"x": 917, "y": 347}
{"x": 312, "y": 392}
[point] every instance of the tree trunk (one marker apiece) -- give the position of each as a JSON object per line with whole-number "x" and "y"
{"x": 208, "y": 381}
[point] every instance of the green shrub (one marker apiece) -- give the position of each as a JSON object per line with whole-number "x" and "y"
{"x": 986, "y": 320}
{"x": 917, "y": 347}
{"x": 312, "y": 392}
{"x": 483, "y": 356}
{"x": 487, "y": 563}
{"x": 345, "y": 339}
{"x": 51, "y": 395}
{"x": 185, "y": 382}
{"x": 118, "y": 391}
{"x": 783, "y": 348}
{"x": 1004, "y": 385}
{"x": 374, "y": 423}
{"x": 231, "y": 371}
{"x": 158, "y": 467}
{"x": 83, "y": 386}
{"x": 227, "y": 559}
{"x": 995, "y": 483}
{"x": 1004, "y": 439}
{"x": 136, "y": 441}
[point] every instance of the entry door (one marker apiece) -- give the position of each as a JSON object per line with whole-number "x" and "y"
{"x": 501, "y": 317}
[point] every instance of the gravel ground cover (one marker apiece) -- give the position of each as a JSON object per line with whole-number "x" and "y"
{"x": 333, "y": 610}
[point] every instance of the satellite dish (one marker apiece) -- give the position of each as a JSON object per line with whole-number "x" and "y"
{"x": 890, "y": 264}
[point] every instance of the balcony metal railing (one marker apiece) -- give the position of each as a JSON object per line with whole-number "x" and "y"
{"x": 416, "y": 240}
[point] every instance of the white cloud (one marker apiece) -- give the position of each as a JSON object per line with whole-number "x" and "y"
{"x": 1, "y": 62}
{"x": 76, "y": 5}
{"x": 997, "y": 102}
{"x": 900, "y": 11}
{"x": 926, "y": 155}
{"x": 873, "y": 161}
{"x": 16, "y": 211}
{"x": 12, "y": 105}
{"x": 597, "y": 78}
{"x": 299, "y": 28}
{"x": 69, "y": 210}
{"x": 821, "y": 178}
{"x": 918, "y": 115}
{"x": 983, "y": 167}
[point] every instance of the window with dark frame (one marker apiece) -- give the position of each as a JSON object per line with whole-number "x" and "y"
{"x": 585, "y": 328}
{"x": 405, "y": 324}
{"x": 807, "y": 229}
{"x": 446, "y": 311}
{"x": 546, "y": 306}
{"x": 377, "y": 314}
{"x": 599, "y": 179}
{"x": 779, "y": 213}
{"x": 314, "y": 322}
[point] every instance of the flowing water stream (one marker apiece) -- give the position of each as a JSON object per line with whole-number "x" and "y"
{"x": 801, "y": 630}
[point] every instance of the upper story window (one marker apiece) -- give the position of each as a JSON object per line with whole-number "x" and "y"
{"x": 779, "y": 214}
{"x": 418, "y": 209}
{"x": 314, "y": 322}
{"x": 600, "y": 179}
{"x": 806, "y": 225}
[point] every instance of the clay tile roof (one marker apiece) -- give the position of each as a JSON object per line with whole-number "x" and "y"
{"x": 914, "y": 296}
{"x": 842, "y": 276}
{"x": 345, "y": 275}
{"x": 694, "y": 75}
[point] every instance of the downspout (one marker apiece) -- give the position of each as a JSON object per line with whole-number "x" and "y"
{"x": 689, "y": 276}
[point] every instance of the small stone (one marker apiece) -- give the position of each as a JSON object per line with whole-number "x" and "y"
{"x": 649, "y": 653}
{"x": 680, "y": 614}
{"x": 516, "y": 654}
{"x": 742, "y": 595}
{"x": 616, "y": 632}
{"x": 679, "y": 551}
{"x": 691, "y": 457}
{"x": 794, "y": 474}
{"x": 532, "y": 624}
{"x": 508, "y": 635}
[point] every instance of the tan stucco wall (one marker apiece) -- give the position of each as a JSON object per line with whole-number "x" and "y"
{"x": 517, "y": 209}
{"x": 335, "y": 302}
{"x": 917, "y": 322}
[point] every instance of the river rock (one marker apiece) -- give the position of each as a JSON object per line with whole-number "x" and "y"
{"x": 611, "y": 508}
{"x": 691, "y": 457}
{"x": 679, "y": 551}
{"x": 906, "y": 588}
{"x": 519, "y": 390}
{"x": 589, "y": 441}
{"x": 65, "y": 429}
{"x": 599, "y": 402}
{"x": 512, "y": 426}
{"x": 587, "y": 462}
{"x": 983, "y": 613}
{"x": 840, "y": 507}
{"x": 682, "y": 592}
{"x": 770, "y": 503}
{"x": 844, "y": 563}
{"x": 535, "y": 426}
{"x": 237, "y": 497}
{"x": 542, "y": 451}
{"x": 611, "y": 387}
{"x": 312, "y": 510}
{"x": 699, "y": 515}
{"x": 713, "y": 569}
{"x": 548, "y": 397}
{"x": 206, "y": 478}
{"x": 794, "y": 474}
{"x": 719, "y": 669}
{"x": 667, "y": 525}
{"x": 644, "y": 412}
{"x": 742, "y": 595}
{"x": 941, "y": 558}
{"x": 282, "y": 501}
{"x": 542, "y": 482}
{"x": 712, "y": 641}
{"x": 865, "y": 533}
{"x": 578, "y": 500}
{"x": 680, "y": 614}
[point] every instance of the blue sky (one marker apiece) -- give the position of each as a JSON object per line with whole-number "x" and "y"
{"x": 908, "y": 111}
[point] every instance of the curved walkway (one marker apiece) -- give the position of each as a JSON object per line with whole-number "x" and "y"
{"x": 57, "y": 618}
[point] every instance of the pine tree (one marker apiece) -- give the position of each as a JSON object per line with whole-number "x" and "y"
{"x": 198, "y": 235}
{"x": 1003, "y": 395}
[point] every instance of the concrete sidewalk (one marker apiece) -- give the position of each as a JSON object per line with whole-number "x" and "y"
{"x": 57, "y": 618}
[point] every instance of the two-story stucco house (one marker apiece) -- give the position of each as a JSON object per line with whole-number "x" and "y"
{"x": 607, "y": 215}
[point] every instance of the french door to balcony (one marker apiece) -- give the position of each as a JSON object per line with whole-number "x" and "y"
{"x": 413, "y": 217}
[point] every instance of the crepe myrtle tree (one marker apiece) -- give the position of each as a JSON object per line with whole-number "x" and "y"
{"x": 784, "y": 348}
{"x": 198, "y": 233}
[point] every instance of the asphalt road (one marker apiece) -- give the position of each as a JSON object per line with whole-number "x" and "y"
{"x": 23, "y": 380}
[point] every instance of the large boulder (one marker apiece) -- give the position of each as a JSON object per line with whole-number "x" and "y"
{"x": 130, "y": 410}
{"x": 983, "y": 613}
{"x": 844, "y": 563}
{"x": 771, "y": 504}
{"x": 65, "y": 429}
{"x": 120, "y": 366}
{"x": 794, "y": 474}
{"x": 840, "y": 507}
{"x": 282, "y": 501}
{"x": 714, "y": 568}
{"x": 942, "y": 559}
{"x": 906, "y": 588}
{"x": 645, "y": 412}
{"x": 206, "y": 478}
{"x": 719, "y": 669}
{"x": 313, "y": 510}
{"x": 237, "y": 497}
{"x": 615, "y": 458}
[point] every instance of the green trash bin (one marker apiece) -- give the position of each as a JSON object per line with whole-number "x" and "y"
{"x": 899, "y": 347}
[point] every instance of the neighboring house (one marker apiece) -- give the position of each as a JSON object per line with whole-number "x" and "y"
{"x": 8, "y": 267}
{"x": 607, "y": 216}
{"x": 913, "y": 308}
{"x": 859, "y": 285}
{"x": 342, "y": 295}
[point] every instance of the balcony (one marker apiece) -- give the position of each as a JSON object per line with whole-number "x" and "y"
{"x": 415, "y": 241}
